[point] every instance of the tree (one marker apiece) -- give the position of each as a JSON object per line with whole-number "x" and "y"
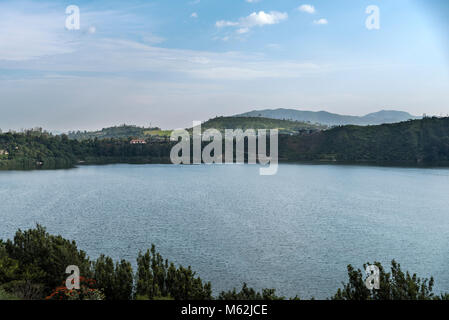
{"x": 123, "y": 289}
{"x": 156, "y": 278}
{"x": 144, "y": 277}
{"x": 394, "y": 285}
{"x": 9, "y": 268}
{"x": 105, "y": 276}
{"x": 43, "y": 258}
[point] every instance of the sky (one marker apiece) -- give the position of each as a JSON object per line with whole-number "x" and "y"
{"x": 169, "y": 63}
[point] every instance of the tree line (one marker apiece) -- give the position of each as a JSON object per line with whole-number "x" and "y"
{"x": 414, "y": 142}
{"x": 41, "y": 150}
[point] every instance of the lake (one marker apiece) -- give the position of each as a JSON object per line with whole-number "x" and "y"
{"x": 295, "y": 231}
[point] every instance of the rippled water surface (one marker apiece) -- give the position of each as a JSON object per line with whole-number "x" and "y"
{"x": 295, "y": 231}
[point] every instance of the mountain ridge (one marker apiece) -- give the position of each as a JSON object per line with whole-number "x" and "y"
{"x": 332, "y": 119}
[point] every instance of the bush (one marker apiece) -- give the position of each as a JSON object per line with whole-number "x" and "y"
{"x": 7, "y": 296}
{"x": 249, "y": 294}
{"x": 87, "y": 291}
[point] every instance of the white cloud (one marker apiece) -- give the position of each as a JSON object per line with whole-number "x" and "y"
{"x": 321, "y": 21}
{"x": 252, "y": 1}
{"x": 194, "y": 15}
{"x": 308, "y": 8}
{"x": 261, "y": 18}
{"x": 258, "y": 19}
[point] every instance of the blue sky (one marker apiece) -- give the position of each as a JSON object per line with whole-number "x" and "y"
{"x": 171, "y": 62}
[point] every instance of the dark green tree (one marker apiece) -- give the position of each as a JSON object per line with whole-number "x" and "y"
{"x": 123, "y": 289}
{"x": 104, "y": 274}
{"x": 43, "y": 258}
{"x": 156, "y": 278}
{"x": 394, "y": 285}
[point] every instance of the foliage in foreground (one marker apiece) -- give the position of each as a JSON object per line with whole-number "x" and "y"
{"x": 6, "y": 296}
{"x": 88, "y": 291}
{"x": 32, "y": 266}
{"x": 394, "y": 285}
{"x": 247, "y": 293}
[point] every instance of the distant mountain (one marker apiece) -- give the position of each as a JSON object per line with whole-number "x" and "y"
{"x": 332, "y": 119}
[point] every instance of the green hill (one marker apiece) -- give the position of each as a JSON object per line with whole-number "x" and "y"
{"x": 118, "y": 132}
{"x": 219, "y": 123}
{"x": 423, "y": 141}
{"x": 244, "y": 123}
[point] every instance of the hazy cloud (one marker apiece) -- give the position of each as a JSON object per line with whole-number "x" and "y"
{"x": 321, "y": 21}
{"x": 152, "y": 39}
{"x": 26, "y": 35}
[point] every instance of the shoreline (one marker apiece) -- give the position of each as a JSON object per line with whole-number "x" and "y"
{"x": 101, "y": 162}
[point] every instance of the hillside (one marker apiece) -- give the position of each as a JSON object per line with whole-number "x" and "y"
{"x": 219, "y": 123}
{"x": 42, "y": 150}
{"x": 332, "y": 119}
{"x": 244, "y": 123}
{"x": 119, "y": 132}
{"x": 412, "y": 142}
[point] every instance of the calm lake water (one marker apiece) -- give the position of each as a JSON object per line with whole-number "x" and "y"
{"x": 295, "y": 231}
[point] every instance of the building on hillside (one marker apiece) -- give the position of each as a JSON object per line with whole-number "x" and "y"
{"x": 3, "y": 152}
{"x": 138, "y": 141}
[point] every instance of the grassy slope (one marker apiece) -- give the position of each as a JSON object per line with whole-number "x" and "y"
{"x": 284, "y": 126}
{"x": 124, "y": 131}
{"x": 220, "y": 123}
